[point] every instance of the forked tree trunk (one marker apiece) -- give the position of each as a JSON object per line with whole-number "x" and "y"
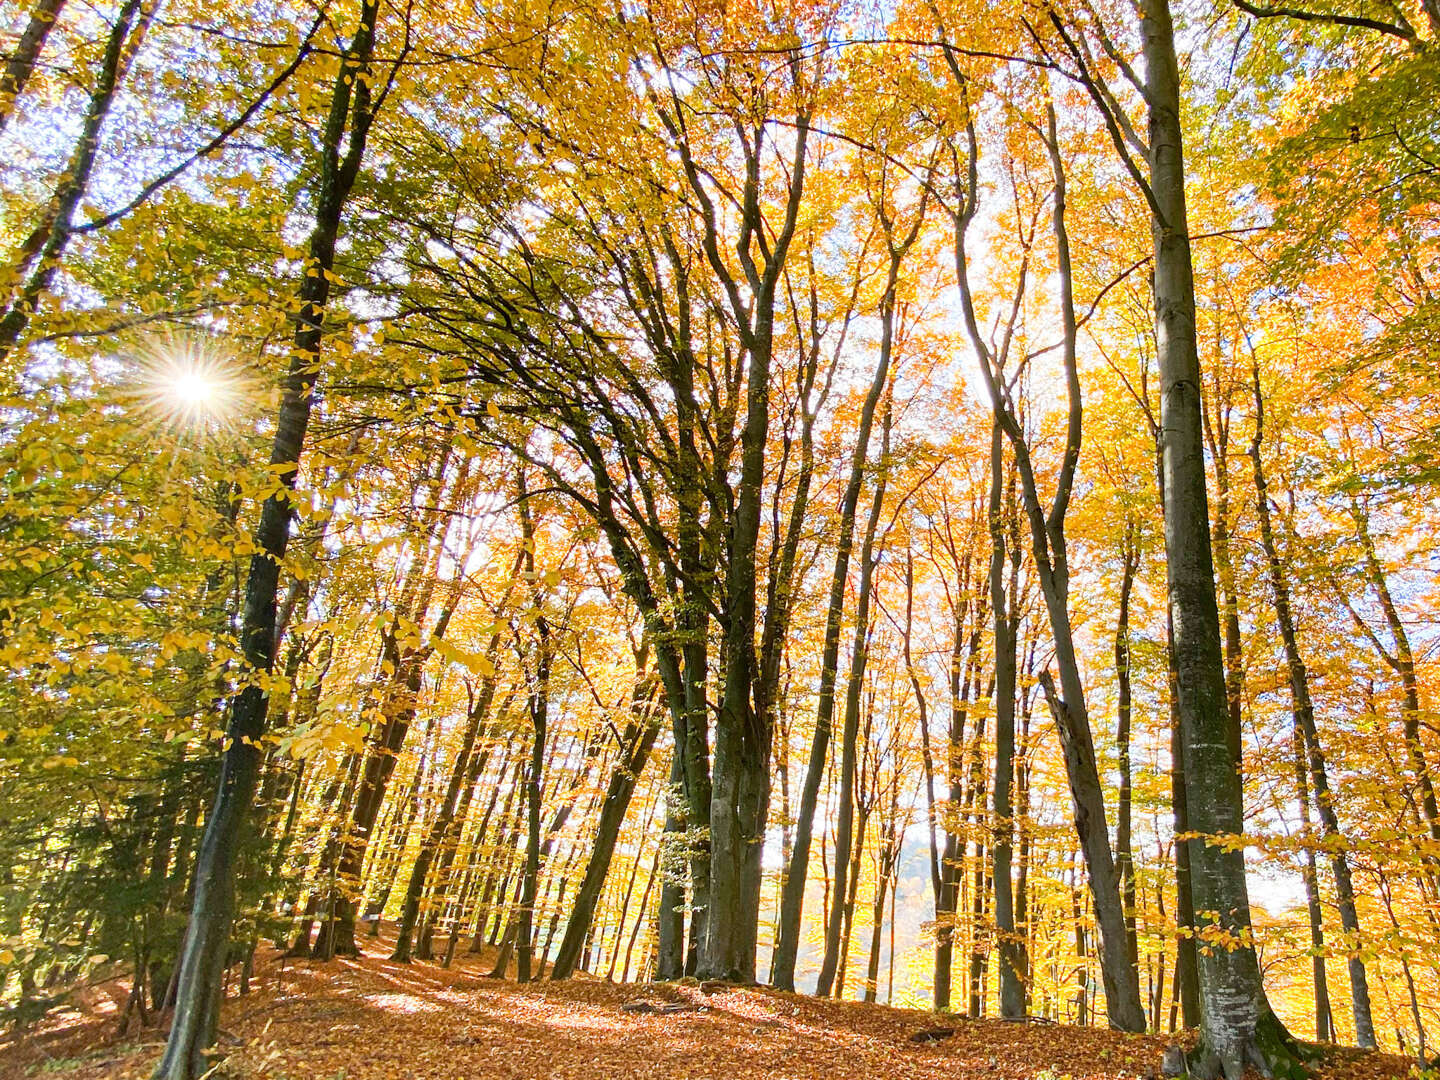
{"x": 1048, "y": 545}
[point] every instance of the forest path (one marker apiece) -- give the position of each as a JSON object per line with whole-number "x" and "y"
{"x": 368, "y": 1019}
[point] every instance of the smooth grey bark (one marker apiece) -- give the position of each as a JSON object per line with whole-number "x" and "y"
{"x": 1217, "y": 437}
{"x": 1304, "y": 714}
{"x": 202, "y": 963}
{"x": 1237, "y": 1024}
{"x": 670, "y": 931}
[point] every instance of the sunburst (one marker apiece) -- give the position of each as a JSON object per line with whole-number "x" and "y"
{"x": 191, "y": 384}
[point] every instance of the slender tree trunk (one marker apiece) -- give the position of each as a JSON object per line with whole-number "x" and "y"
{"x": 539, "y": 697}
{"x": 850, "y": 732}
{"x": 1011, "y": 954}
{"x": 1324, "y": 1025}
{"x": 1304, "y": 710}
{"x": 963, "y": 656}
{"x": 1082, "y": 958}
{"x": 640, "y": 736}
{"x": 1124, "y": 855}
{"x": 797, "y": 874}
{"x": 888, "y": 856}
{"x": 642, "y": 916}
{"x": 202, "y": 964}
{"x": 21, "y": 63}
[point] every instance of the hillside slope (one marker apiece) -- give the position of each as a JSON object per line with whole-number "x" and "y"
{"x": 371, "y": 1019}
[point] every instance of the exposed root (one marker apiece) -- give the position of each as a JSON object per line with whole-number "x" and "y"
{"x": 1271, "y": 1049}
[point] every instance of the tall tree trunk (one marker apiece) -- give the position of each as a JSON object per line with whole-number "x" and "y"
{"x": 1304, "y": 712}
{"x": 1048, "y": 545}
{"x": 539, "y": 709}
{"x": 740, "y": 792}
{"x": 1124, "y": 855}
{"x": 640, "y": 738}
{"x": 1324, "y": 1023}
{"x": 1237, "y": 1023}
{"x": 1006, "y": 620}
{"x": 792, "y": 897}
{"x": 202, "y": 964}
{"x": 850, "y": 731}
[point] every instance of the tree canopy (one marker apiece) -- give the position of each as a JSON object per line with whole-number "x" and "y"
{"x": 934, "y": 500}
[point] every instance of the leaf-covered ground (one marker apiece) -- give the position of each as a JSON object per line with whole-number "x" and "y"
{"x": 371, "y": 1019}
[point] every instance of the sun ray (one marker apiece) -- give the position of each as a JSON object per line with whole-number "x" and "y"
{"x": 190, "y": 384}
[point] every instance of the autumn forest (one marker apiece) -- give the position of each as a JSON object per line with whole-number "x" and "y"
{"x": 930, "y": 503}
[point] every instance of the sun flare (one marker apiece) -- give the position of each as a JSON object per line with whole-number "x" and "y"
{"x": 190, "y": 386}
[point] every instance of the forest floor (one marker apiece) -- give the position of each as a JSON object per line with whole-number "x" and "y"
{"x": 369, "y": 1018}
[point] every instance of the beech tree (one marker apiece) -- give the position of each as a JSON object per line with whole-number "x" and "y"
{"x": 590, "y": 490}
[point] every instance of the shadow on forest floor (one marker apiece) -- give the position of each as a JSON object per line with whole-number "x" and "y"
{"x": 368, "y": 1019}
